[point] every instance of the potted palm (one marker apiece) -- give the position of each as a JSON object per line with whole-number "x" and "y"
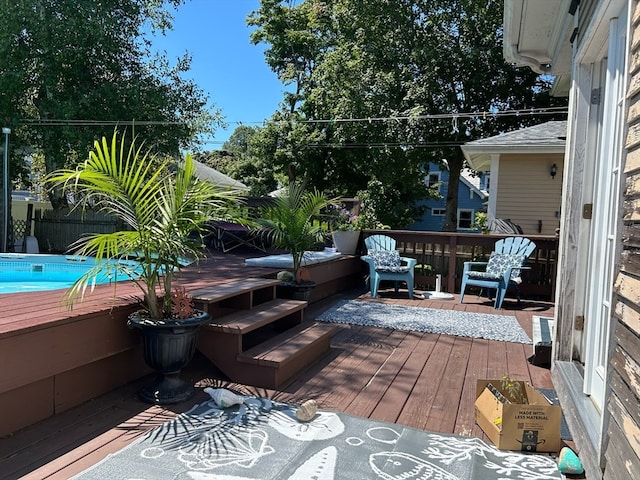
{"x": 292, "y": 222}
{"x": 164, "y": 212}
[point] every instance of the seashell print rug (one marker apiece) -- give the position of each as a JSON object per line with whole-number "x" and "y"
{"x": 431, "y": 320}
{"x": 261, "y": 440}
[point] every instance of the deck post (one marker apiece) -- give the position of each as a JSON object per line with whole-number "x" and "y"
{"x": 451, "y": 276}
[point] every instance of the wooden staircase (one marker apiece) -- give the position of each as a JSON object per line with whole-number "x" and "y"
{"x": 255, "y": 338}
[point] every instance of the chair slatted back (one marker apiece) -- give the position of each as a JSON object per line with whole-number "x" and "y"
{"x": 380, "y": 242}
{"x": 515, "y": 246}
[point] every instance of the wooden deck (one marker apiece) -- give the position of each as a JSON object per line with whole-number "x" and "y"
{"x": 426, "y": 381}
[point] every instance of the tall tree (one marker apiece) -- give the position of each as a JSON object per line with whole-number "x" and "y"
{"x": 72, "y": 69}
{"x": 383, "y": 88}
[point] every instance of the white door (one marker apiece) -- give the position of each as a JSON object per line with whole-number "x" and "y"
{"x": 606, "y": 208}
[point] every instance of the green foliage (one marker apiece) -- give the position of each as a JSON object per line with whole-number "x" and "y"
{"x": 342, "y": 219}
{"x": 480, "y": 222}
{"x": 68, "y": 67}
{"x": 164, "y": 212}
{"x": 292, "y": 221}
{"x": 375, "y": 59}
{"x": 251, "y": 150}
{"x": 513, "y": 389}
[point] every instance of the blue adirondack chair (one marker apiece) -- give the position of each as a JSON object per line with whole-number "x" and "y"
{"x": 385, "y": 263}
{"x": 501, "y": 271}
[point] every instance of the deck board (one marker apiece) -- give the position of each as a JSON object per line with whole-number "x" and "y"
{"x": 477, "y": 366}
{"x": 442, "y": 418}
{"x": 429, "y": 381}
{"x": 422, "y": 380}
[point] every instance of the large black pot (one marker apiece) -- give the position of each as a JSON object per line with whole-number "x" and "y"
{"x": 295, "y": 290}
{"x": 168, "y": 345}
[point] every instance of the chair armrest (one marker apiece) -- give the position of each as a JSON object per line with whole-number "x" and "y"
{"x": 507, "y": 275}
{"x": 369, "y": 260}
{"x": 468, "y": 265}
{"x": 411, "y": 262}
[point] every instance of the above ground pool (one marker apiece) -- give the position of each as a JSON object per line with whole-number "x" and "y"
{"x": 33, "y": 273}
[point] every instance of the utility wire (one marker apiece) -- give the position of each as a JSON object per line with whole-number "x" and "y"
{"x": 400, "y": 118}
{"x": 92, "y": 123}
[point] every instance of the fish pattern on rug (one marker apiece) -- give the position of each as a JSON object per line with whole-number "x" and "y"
{"x": 262, "y": 439}
{"x": 430, "y": 320}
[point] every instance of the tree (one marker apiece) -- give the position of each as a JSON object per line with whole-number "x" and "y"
{"x": 382, "y": 88}
{"x": 70, "y": 69}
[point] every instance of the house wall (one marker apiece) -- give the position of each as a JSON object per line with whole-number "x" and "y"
{"x": 466, "y": 201}
{"x": 609, "y": 440}
{"x": 528, "y": 195}
{"x": 623, "y": 430}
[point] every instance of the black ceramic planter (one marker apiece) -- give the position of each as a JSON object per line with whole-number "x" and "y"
{"x": 168, "y": 347}
{"x": 295, "y": 290}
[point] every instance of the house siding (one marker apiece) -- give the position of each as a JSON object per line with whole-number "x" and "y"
{"x": 529, "y": 196}
{"x": 623, "y": 429}
{"x": 466, "y": 201}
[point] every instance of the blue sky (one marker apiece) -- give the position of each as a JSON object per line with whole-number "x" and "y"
{"x": 225, "y": 65}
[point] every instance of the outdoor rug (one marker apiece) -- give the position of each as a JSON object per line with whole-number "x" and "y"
{"x": 431, "y": 320}
{"x": 262, "y": 439}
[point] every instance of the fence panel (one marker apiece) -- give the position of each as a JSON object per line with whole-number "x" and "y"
{"x": 57, "y": 230}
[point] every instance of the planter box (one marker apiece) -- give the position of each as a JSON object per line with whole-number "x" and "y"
{"x": 529, "y": 427}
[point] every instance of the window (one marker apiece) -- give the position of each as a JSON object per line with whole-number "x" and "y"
{"x": 432, "y": 179}
{"x": 465, "y": 219}
{"x": 438, "y": 212}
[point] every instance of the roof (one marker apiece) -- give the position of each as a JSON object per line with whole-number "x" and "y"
{"x": 549, "y": 137}
{"x": 473, "y": 182}
{"x": 205, "y": 172}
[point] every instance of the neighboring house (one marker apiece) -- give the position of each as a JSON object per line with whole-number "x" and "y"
{"x": 205, "y": 172}
{"x": 592, "y": 48}
{"x": 526, "y": 175}
{"x": 472, "y": 196}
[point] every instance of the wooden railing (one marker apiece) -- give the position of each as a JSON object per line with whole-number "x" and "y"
{"x": 444, "y": 253}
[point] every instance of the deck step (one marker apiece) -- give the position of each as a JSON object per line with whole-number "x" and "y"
{"x": 272, "y": 363}
{"x": 243, "y": 294}
{"x": 245, "y": 321}
{"x": 255, "y": 338}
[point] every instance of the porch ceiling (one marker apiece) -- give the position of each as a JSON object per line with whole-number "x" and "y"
{"x": 537, "y": 35}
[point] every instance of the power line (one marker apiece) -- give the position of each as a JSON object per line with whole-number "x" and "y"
{"x": 446, "y": 116}
{"x": 93, "y": 123}
{"x": 385, "y": 145}
{"x": 400, "y": 118}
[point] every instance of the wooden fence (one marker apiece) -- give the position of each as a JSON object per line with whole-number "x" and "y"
{"x": 56, "y": 230}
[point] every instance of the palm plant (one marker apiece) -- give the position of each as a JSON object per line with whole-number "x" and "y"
{"x": 292, "y": 222}
{"x": 164, "y": 213}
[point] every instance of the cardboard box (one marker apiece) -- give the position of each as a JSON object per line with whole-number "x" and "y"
{"x": 533, "y": 426}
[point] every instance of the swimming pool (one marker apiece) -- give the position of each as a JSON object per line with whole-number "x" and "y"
{"x": 35, "y": 273}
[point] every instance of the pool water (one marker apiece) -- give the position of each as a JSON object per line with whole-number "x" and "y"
{"x": 35, "y": 273}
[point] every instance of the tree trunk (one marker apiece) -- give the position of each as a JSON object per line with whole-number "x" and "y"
{"x": 456, "y": 162}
